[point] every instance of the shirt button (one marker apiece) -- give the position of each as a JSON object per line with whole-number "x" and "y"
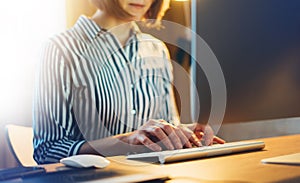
{"x": 131, "y": 86}
{"x": 133, "y": 111}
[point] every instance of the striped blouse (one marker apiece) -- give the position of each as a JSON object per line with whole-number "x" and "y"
{"x": 90, "y": 87}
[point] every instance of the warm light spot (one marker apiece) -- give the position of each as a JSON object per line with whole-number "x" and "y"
{"x": 25, "y": 27}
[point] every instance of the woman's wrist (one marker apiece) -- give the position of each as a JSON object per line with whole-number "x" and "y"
{"x": 124, "y": 137}
{"x": 112, "y": 146}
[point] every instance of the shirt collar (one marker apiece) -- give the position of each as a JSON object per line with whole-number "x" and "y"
{"x": 88, "y": 27}
{"x": 91, "y": 30}
{"x": 135, "y": 28}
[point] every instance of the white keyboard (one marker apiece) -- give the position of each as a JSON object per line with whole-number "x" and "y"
{"x": 198, "y": 152}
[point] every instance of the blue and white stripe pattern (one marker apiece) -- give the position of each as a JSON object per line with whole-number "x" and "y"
{"x": 90, "y": 87}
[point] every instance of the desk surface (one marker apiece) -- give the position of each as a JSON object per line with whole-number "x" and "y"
{"x": 243, "y": 167}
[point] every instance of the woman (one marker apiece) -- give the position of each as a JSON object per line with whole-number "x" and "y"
{"x": 104, "y": 87}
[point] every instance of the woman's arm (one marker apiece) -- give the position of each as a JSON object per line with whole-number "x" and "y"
{"x": 55, "y": 133}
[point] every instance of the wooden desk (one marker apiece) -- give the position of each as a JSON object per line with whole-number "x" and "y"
{"x": 243, "y": 167}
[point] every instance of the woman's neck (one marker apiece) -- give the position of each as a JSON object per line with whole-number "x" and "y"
{"x": 119, "y": 28}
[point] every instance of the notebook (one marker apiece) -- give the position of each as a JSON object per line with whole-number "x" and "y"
{"x": 291, "y": 159}
{"x": 198, "y": 152}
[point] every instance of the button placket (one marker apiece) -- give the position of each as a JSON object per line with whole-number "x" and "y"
{"x": 132, "y": 91}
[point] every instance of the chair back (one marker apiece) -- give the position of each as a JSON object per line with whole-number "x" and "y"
{"x": 20, "y": 143}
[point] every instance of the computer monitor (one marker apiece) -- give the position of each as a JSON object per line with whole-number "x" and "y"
{"x": 257, "y": 44}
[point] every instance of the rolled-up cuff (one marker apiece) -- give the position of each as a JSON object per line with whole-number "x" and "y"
{"x": 74, "y": 150}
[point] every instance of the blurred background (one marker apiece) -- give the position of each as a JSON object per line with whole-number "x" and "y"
{"x": 24, "y": 27}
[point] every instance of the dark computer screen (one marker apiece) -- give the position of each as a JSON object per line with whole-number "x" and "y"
{"x": 257, "y": 43}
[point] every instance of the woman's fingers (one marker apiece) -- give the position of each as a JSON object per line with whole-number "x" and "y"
{"x": 205, "y": 133}
{"x": 143, "y": 139}
{"x": 175, "y": 137}
{"x": 208, "y": 139}
{"x": 183, "y": 137}
{"x": 199, "y": 135}
{"x": 191, "y": 136}
{"x": 218, "y": 140}
{"x": 171, "y": 134}
{"x": 161, "y": 136}
{"x": 163, "y": 132}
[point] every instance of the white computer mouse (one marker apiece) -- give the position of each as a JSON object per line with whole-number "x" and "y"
{"x": 85, "y": 161}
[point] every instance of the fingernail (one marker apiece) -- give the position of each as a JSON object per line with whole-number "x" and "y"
{"x": 199, "y": 144}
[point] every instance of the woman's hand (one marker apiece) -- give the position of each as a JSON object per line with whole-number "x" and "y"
{"x": 203, "y": 133}
{"x": 159, "y": 134}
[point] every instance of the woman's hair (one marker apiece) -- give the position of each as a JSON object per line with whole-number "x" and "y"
{"x": 152, "y": 17}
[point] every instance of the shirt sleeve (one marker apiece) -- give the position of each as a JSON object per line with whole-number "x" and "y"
{"x": 56, "y": 134}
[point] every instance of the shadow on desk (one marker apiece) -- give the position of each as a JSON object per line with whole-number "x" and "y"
{"x": 63, "y": 174}
{"x": 292, "y": 180}
{"x": 68, "y": 175}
